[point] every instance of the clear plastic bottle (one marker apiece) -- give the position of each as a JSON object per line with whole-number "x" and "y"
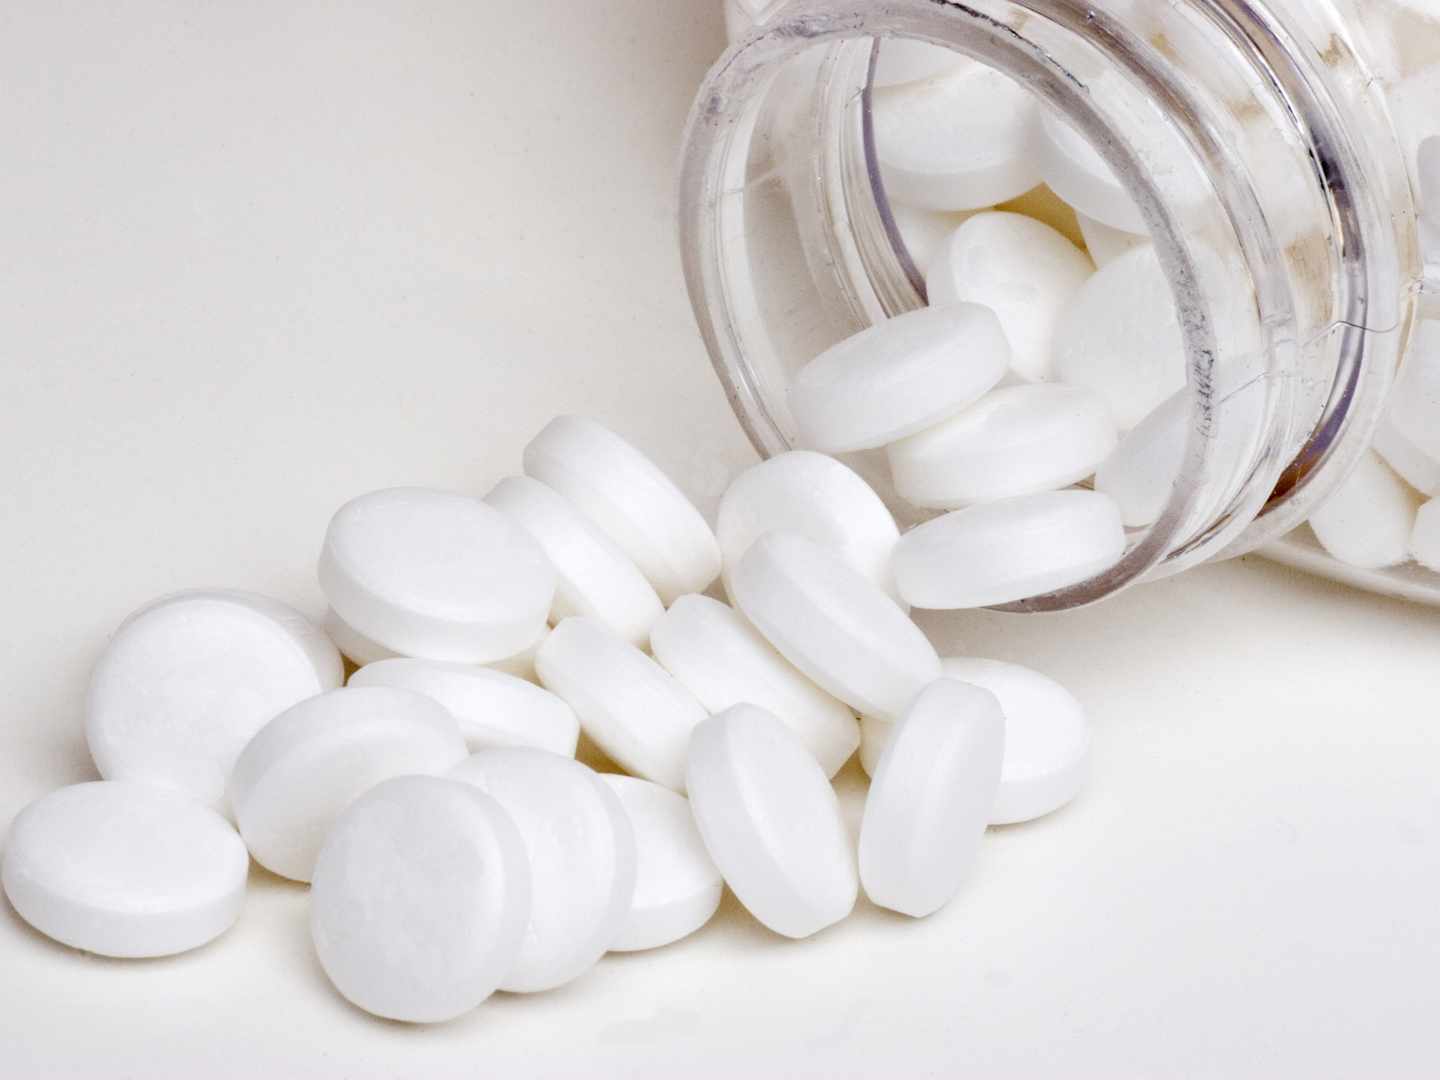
{"x": 1275, "y": 152}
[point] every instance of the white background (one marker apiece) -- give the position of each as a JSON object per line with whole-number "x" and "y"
{"x": 259, "y": 258}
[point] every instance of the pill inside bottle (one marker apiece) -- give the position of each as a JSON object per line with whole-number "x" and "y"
{"x": 989, "y": 253}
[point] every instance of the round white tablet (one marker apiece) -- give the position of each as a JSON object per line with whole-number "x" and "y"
{"x": 1013, "y": 441}
{"x": 925, "y": 232}
{"x": 931, "y": 797}
{"x": 361, "y": 650}
{"x": 582, "y": 859}
{"x": 436, "y": 575}
{"x": 628, "y": 704}
{"x": 188, "y": 679}
{"x": 1409, "y": 436}
{"x": 720, "y": 658}
{"x": 631, "y": 499}
{"x": 1009, "y": 549}
{"x": 1074, "y": 171}
{"x": 677, "y": 887}
{"x": 1047, "y": 737}
{"x": 300, "y": 771}
{"x": 492, "y": 708}
{"x": 956, "y": 141}
{"x": 594, "y": 578}
{"x": 833, "y": 624}
{"x": 124, "y": 869}
{"x": 897, "y": 377}
{"x": 814, "y": 496}
{"x": 420, "y": 900}
{"x": 1121, "y": 336}
{"x": 1369, "y": 521}
{"x": 771, "y": 821}
{"x": 1021, "y": 269}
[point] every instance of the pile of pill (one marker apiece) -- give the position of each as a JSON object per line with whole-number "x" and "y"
{"x": 1042, "y": 395}
{"x": 1094, "y": 353}
{"x": 453, "y": 844}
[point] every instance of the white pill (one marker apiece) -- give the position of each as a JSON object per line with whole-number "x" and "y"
{"x": 124, "y": 869}
{"x": 594, "y": 578}
{"x": 1009, "y": 549}
{"x": 1141, "y": 473}
{"x": 833, "y": 624}
{"x": 1425, "y": 540}
{"x": 628, "y": 704}
{"x": 491, "y": 707}
{"x": 677, "y": 886}
{"x": 903, "y": 60}
{"x": 1409, "y": 436}
{"x": 814, "y": 496}
{"x": 898, "y": 377}
{"x": 1078, "y": 174}
{"x": 1021, "y": 269}
{"x": 188, "y": 679}
{"x": 1012, "y": 441}
{"x": 931, "y": 796}
{"x": 420, "y": 900}
{"x": 1105, "y": 244}
{"x": 436, "y": 575}
{"x": 627, "y": 495}
{"x": 720, "y": 658}
{"x": 582, "y": 859}
{"x": 1369, "y": 521}
{"x": 361, "y": 650}
{"x": 1121, "y": 336}
{"x": 297, "y": 775}
{"x": 771, "y": 821}
{"x": 354, "y": 645}
{"x": 1047, "y": 737}
{"x": 956, "y": 141}
{"x": 924, "y": 232}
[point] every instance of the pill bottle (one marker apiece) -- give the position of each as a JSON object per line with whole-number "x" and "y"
{"x": 1273, "y": 150}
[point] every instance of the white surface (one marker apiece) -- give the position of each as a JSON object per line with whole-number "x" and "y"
{"x": 420, "y": 899}
{"x": 930, "y": 797}
{"x": 582, "y": 859}
{"x": 260, "y": 261}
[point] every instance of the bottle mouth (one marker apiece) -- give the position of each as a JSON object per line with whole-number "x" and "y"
{"x": 1281, "y": 255}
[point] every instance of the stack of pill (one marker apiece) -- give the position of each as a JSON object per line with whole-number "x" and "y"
{"x": 1062, "y": 416}
{"x": 453, "y": 844}
{"x": 955, "y": 139}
